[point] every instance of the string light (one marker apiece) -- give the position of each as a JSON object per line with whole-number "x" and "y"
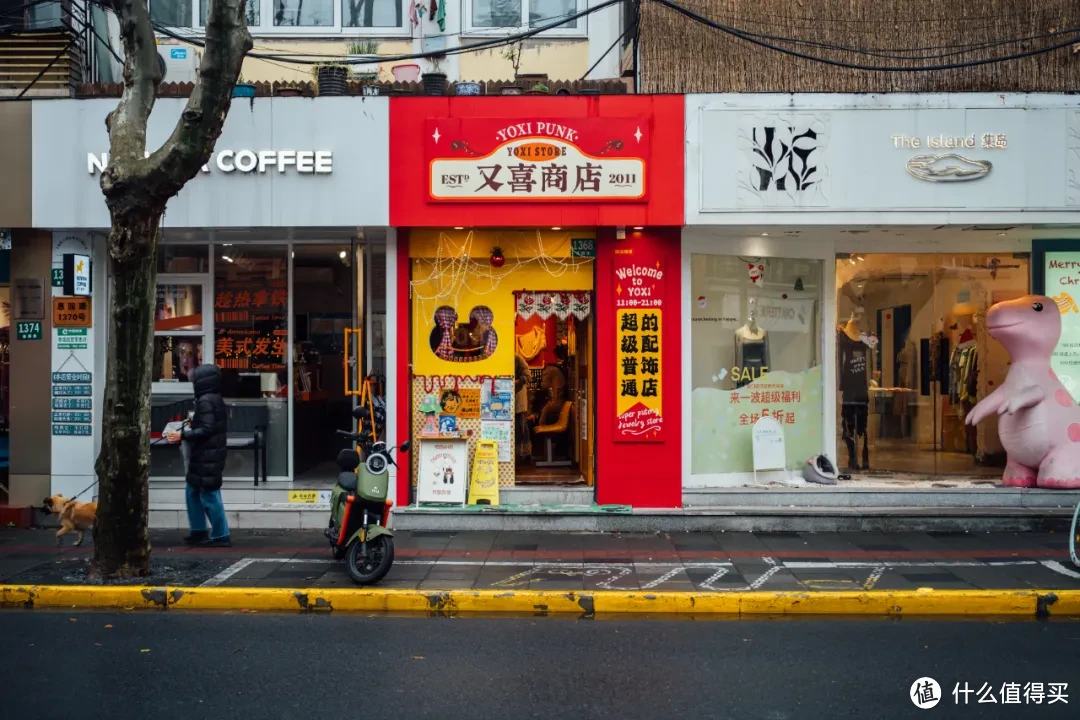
{"x": 453, "y": 271}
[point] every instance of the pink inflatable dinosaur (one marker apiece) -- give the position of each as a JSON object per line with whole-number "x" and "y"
{"x": 1040, "y": 422}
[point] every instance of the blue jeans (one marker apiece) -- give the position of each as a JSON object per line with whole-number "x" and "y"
{"x": 202, "y": 504}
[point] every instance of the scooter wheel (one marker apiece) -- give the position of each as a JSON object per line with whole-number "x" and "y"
{"x": 338, "y": 552}
{"x": 372, "y": 569}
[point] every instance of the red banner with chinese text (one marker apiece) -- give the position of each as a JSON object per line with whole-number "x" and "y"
{"x": 537, "y": 160}
{"x": 639, "y": 291}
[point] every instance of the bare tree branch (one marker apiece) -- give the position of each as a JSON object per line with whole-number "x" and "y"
{"x": 162, "y": 175}
{"x": 192, "y": 141}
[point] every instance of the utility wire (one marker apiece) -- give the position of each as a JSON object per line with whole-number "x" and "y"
{"x": 891, "y": 54}
{"x": 697, "y": 17}
{"x": 629, "y": 28}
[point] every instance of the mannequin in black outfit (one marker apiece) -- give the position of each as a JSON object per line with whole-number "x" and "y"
{"x": 853, "y": 359}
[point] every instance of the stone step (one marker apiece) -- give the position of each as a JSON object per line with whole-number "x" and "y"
{"x": 247, "y": 516}
{"x": 740, "y": 519}
{"x": 839, "y": 496}
{"x": 547, "y": 495}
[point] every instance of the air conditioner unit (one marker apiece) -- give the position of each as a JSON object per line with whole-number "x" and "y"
{"x": 179, "y": 63}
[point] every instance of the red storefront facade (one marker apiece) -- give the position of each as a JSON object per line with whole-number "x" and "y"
{"x": 550, "y": 227}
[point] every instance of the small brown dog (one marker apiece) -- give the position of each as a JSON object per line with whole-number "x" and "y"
{"x": 74, "y": 515}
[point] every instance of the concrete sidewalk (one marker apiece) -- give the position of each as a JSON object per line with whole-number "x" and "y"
{"x": 686, "y": 562}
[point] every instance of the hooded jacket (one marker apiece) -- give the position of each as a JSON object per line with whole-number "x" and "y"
{"x": 207, "y": 434}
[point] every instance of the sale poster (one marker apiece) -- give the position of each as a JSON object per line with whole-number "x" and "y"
{"x": 1062, "y": 275}
{"x": 639, "y": 289}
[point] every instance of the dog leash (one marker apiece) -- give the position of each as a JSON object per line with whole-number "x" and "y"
{"x": 76, "y": 497}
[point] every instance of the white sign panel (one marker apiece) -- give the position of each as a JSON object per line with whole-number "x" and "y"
{"x": 76, "y": 405}
{"x": 767, "y": 155}
{"x": 768, "y": 440}
{"x": 280, "y": 162}
{"x": 443, "y": 475}
{"x": 80, "y": 275}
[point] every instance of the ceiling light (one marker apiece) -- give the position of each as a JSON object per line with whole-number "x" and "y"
{"x": 226, "y": 258}
{"x": 459, "y": 227}
{"x": 556, "y": 228}
{"x": 639, "y": 227}
{"x": 764, "y": 234}
{"x": 1002, "y": 234}
{"x": 342, "y": 254}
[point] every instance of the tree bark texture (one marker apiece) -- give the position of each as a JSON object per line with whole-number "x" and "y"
{"x": 137, "y": 188}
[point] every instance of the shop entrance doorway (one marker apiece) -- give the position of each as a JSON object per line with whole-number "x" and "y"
{"x": 914, "y": 357}
{"x": 553, "y": 379}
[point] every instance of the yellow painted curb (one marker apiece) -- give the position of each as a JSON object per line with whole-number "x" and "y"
{"x": 1031, "y": 603}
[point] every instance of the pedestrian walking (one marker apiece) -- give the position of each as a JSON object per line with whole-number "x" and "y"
{"x": 207, "y": 444}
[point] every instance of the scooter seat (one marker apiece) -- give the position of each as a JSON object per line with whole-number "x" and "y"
{"x": 347, "y": 481}
{"x": 348, "y": 460}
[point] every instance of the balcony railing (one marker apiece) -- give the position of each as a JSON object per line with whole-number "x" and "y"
{"x": 307, "y": 89}
{"x": 45, "y": 48}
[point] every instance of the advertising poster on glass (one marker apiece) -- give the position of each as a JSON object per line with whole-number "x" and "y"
{"x": 639, "y": 289}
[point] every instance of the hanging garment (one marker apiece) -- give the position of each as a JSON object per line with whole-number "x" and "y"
{"x": 751, "y": 357}
{"x": 532, "y": 342}
{"x": 440, "y": 17}
{"x": 854, "y": 366}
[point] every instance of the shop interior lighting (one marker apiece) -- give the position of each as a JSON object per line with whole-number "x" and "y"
{"x": 342, "y": 254}
{"x": 459, "y": 227}
{"x": 639, "y": 227}
{"x": 556, "y": 228}
{"x": 226, "y": 258}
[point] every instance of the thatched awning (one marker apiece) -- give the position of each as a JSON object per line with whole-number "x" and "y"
{"x": 681, "y": 55}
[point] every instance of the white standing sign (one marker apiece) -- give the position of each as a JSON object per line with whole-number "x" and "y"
{"x": 768, "y": 440}
{"x": 443, "y": 476}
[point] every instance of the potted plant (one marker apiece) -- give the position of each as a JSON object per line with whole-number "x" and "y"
{"x": 538, "y": 89}
{"x": 290, "y": 90}
{"x": 330, "y": 78}
{"x": 513, "y": 54}
{"x": 363, "y": 59}
{"x": 242, "y": 88}
{"x": 434, "y": 81}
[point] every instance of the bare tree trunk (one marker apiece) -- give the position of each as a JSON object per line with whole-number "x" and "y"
{"x": 121, "y": 543}
{"x": 136, "y": 189}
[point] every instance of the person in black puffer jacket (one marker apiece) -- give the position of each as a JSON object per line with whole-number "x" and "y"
{"x": 208, "y": 443}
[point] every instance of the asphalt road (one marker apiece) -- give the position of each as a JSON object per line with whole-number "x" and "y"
{"x": 189, "y": 665}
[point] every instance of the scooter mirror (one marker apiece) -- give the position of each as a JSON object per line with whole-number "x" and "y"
{"x": 360, "y": 412}
{"x": 405, "y": 446}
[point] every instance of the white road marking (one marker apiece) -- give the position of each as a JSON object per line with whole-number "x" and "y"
{"x": 1059, "y": 568}
{"x": 229, "y": 572}
{"x": 668, "y": 570}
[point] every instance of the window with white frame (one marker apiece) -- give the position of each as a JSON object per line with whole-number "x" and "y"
{"x": 182, "y": 318}
{"x": 286, "y": 17}
{"x": 486, "y": 16}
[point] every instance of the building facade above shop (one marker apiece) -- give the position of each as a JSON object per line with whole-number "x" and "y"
{"x": 882, "y": 159}
{"x": 280, "y": 162}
